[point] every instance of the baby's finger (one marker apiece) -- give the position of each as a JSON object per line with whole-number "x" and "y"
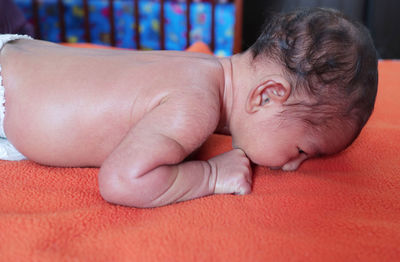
{"x": 249, "y": 179}
{"x": 249, "y": 174}
{"x": 244, "y": 189}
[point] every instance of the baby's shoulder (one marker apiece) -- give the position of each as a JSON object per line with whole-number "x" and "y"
{"x": 206, "y": 76}
{"x": 198, "y": 97}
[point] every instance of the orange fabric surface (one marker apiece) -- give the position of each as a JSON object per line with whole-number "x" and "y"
{"x": 340, "y": 208}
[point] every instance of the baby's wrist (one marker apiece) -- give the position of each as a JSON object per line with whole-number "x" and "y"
{"x": 211, "y": 171}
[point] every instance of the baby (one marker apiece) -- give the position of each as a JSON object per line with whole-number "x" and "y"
{"x": 304, "y": 89}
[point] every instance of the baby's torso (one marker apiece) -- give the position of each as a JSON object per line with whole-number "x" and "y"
{"x": 68, "y": 106}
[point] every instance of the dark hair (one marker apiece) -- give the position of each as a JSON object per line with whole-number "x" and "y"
{"x": 327, "y": 57}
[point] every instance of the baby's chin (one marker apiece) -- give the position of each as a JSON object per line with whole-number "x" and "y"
{"x": 286, "y": 167}
{"x": 257, "y": 159}
{"x": 259, "y": 162}
{"x": 274, "y": 167}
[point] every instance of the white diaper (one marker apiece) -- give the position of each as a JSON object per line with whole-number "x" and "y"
{"x": 7, "y": 150}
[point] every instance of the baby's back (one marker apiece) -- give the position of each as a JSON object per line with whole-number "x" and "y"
{"x": 72, "y": 107}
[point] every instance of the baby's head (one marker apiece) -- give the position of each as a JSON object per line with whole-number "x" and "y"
{"x": 318, "y": 87}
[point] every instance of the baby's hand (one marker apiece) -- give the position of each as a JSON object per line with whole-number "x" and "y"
{"x": 232, "y": 172}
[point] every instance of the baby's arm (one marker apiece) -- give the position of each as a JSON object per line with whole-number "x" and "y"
{"x": 146, "y": 169}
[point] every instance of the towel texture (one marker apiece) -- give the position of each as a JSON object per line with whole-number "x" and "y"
{"x": 340, "y": 208}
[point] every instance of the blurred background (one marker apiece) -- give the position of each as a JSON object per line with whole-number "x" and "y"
{"x": 381, "y": 17}
{"x": 126, "y": 23}
{"x": 114, "y": 22}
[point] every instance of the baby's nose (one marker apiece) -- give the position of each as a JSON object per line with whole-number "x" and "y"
{"x": 290, "y": 167}
{"x": 293, "y": 164}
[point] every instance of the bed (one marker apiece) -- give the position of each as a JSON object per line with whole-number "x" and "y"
{"x": 339, "y": 208}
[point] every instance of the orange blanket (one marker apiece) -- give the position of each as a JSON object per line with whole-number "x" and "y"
{"x": 340, "y": 208}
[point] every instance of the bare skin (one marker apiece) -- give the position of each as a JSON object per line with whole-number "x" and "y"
{"x": 78, "y": 107}
{"x": 138, "y": 115}
{"x": 66, "y": 97}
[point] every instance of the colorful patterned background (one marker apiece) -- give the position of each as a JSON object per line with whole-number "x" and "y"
{"x": 175, "y": 23}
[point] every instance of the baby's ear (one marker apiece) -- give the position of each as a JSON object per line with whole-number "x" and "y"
{"x": 275, "y": 90}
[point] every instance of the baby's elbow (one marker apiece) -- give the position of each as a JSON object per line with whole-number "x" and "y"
{"x": 108, "y": 189}
{"x": 117, "y": 188}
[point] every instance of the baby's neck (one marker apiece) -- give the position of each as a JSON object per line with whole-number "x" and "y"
{"x": 227, "y": 97}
